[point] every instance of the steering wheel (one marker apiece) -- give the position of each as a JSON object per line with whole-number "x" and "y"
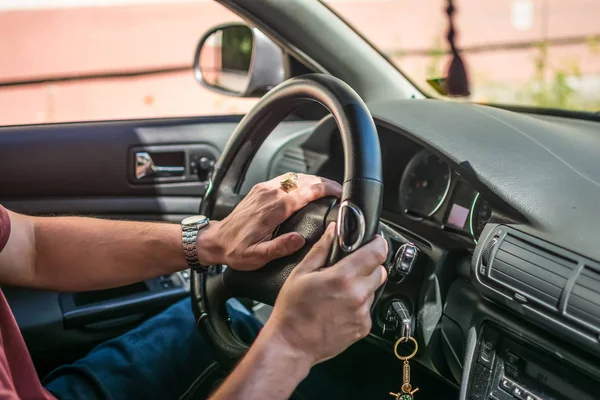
{"x": 357, "y": 215}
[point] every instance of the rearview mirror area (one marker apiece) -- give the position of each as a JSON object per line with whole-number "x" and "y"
{"x": 238, "y": 60}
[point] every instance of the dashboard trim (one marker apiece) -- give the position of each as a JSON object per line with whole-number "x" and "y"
{"x": 515, "y": 174}
{"x": 471, "y": 217}
{"x": 361, "y": 228}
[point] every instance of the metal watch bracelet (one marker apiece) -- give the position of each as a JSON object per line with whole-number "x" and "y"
{"x": 189, "y": 234}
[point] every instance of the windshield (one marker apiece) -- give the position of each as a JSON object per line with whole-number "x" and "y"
{"x": 540, "y": 53}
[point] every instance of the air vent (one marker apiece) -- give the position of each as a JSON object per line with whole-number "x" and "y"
{"x": 583, "y": 305}
{"x": 292, "y": 160}
{"x": 530, "y": 272}
{"x": 545, "y": 284}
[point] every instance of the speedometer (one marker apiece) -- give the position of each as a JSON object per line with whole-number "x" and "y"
{"x": 424, "y": 184}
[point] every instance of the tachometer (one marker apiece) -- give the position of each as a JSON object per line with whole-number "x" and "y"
{"x": 481, "y": 212}
{"x": 424, "y": 184}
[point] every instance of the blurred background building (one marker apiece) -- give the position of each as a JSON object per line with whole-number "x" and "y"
{"x": 81, "y": 60}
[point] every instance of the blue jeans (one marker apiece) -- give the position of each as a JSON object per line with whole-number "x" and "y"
{"x": 160, "y": 359}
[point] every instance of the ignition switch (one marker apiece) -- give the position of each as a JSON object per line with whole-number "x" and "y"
{"x": 397, "y": 320}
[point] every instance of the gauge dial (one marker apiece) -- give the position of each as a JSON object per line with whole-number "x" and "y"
{"x": 424, "y": 184}
{"x": 481, "y": 212}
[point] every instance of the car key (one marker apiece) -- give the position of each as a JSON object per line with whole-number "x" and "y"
{"x": 403, "y": 318}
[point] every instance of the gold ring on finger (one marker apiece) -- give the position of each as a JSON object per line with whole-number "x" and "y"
{"x": 289, "y": 182}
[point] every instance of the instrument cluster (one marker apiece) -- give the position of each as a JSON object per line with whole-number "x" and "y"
{"x": 418, "y": 185}
{"x": 431, "y": 191}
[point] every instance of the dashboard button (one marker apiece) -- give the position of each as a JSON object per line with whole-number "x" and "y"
{"x": 405, "y": 259}
{"x": 487, "y": 349}
{"x": 519, "y": 393}
{"x": 506, "y": 385}
{"x": 486, "y": 357}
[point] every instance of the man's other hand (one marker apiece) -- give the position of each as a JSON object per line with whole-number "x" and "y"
{"x": 243, "y": 239}
{"x": 321, "y": 311}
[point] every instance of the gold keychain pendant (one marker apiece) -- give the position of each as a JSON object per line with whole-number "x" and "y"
{"x": 406, "y": 391}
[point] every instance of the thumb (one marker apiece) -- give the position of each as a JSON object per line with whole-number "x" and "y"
{"x": 279, "y": 247}
{"x": 317, "y": 256}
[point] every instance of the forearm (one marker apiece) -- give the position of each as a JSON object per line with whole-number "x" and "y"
{"x": 75, "y": 254}
{"x": 270, "y": 370}
{"x": 85, "y": 253}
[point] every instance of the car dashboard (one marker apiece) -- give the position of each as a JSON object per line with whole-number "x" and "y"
{"x": 422, "y": 191}
{"x": 505, "y": 295}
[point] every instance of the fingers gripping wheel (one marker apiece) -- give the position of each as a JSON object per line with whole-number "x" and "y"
{"x": 359, "y": 210}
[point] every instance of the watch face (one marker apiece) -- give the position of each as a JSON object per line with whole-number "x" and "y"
{"x": 196, "y": 219}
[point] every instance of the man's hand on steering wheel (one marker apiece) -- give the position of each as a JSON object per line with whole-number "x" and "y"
{"x": 320, "y": 312}
{"x": 251, "y": 224}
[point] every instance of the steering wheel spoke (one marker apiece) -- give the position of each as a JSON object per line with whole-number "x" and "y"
{"x": 225, "y": 202}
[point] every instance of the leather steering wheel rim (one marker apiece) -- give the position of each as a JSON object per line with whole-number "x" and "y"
{"x": 362, "y": 193}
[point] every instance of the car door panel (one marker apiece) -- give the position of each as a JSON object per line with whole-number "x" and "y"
{"x": 89, "y": 169}
{"x": 132, "y": 207}
{"x": 93, "y": 159}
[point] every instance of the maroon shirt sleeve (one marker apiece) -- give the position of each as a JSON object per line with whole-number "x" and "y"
{"x": 4, "y": 227}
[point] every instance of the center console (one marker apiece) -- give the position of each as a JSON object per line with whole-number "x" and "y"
{"x": 507, "y": 367}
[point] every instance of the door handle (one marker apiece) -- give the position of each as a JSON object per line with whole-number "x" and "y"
{"x": 145, "y": 167}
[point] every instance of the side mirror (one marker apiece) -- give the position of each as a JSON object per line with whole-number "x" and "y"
{"x": 237, "y": 60}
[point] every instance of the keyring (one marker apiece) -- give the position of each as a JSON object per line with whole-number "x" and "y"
{"x": 403, "y": 340}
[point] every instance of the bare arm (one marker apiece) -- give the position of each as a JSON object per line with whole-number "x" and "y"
{"x": 270, "y": 370}
{"x": 78, "y": 254}
{"x": 72, "y": 254}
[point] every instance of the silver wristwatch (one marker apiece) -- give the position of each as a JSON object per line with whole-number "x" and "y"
{"x": 189, "y": 233}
